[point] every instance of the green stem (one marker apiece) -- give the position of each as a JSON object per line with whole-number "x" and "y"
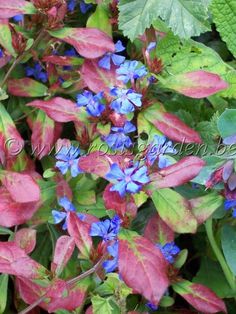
{"x": 19, "y": 58}
{"x": 228, "y": 275}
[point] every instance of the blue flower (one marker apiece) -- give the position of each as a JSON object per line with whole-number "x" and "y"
{"x": 157, "y": 149}
{"x": 18, "y": 18}
{"x": 71, "y": 4}
{"x": 59, "y": 216}
{"x": 67, "y": 159}
{"x": 130, "y": 71}
{"x": 70, "y": 53}
{"x": 130, "y": 180}
{"x": 169, "y": 251}
{"x": 84, "y": 7}
{"x": 105, "y": 62}
{"x": 1, "y": 53}
{"x": 107, "y": 229}
{"x": 152, "y": 306}
{"x": 231, "y": 204}
{"x": 151, "y": 46}
{"x": 37, "y": 72}
{"x": 111, "y": 264}
{"x": 117, "y": 139}
{"x": 93, "y": 103}
{"x": 125, "y": 100}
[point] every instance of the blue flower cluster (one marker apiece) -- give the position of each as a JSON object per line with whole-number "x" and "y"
{"x": 118, "y": 138}
{"x": 169, "y": 250}
{"x": 18, "y": 18}
{"x": 93, "y": 103}
{"x": 231, "y": 204}
{"x": 68, "y": 160}
{"x": 130, "y": 71}
{"x": 37, "y": 72}
{"x": 158, "y": 150}
{"x": 84, "y": 7}
{"x": 60, "y": 216}
{"x": 108, "y": 231}
{"x": 105, "y": 61}
{"x": 125, "y": 100}
{"x": 129, "y": 180}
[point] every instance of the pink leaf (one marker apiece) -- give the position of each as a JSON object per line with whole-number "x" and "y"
{"x": 63, "y": 60}
{"x": 90, "y": 43}
{"x": 99, "y": 163}
{"x": 26, "y": 239}
{"x": 43, "y": 135}
{"x": 122, "y": 206}
{"x": 170, "y": 125}
{"x": 177, "y": 174}
{"x": 14, "y": 261}
{"x": 158, "y": 231}
{"x": 200, "y": 297}
{"x": 98, "y": 79}
{"x": 13, "y": 213}
{"x": 14, "y": 7}
{"x": 79, "y": 231}
{"x": 197, "y": 84}
{"x": 64, "y": 249}
{"x": 60, "y": 295}
{"x": 22, "y": 187}
{"x": 26, "y": 87}
{"x": 142, "y": 266}
{"x": 58, "y": 109}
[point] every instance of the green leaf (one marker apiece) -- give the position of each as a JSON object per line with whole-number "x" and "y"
{"x": 102, "y": 305}
{"x": 100, "y": 19}
{"x": 185, "y": 18}
{"x": 3, "y": 292}
{"x": 226, "y": 123}
{"x": 211, "y": 275}
{"x": 228, "y": 241}
{"x": 174, "y": 210}
{"x": 181, "y": 56}
{"x": 114, "y": 285}
{"x": 224, "y": 16}
{"x": 6, "y": 38}
{"x": 203, "y": 207}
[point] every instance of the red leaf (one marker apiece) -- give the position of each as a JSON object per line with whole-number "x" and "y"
{"x": 22, "y": 187}
{"x": 63, "y": 60}
{"x": 180, "y": 173}
{"x": 98, "y": 79}
{"x": 158, "y": 231}
{"x": 26, "y": 87}
{"x": 90, "y": 43}
{"x": 14, "y": 7}
{"x": 13, "y": 213}
{"x": 64, "y": 249}
{"x": 79, "y": 231}
{"x": 43, "y": 135}
{"x": 26, "y": 239}
{"x": 142, "y": 266}
{"x": 197, "y": 84}
{"x": 14, "y": 261}
{"x": 99, "y": 163}
{"x": 200, "y": 297}
{"x": 170, "y": 125}
{"x": 60, "y": 295}
{"x": 122, "y": 206}
{"x": 58, "y": 109}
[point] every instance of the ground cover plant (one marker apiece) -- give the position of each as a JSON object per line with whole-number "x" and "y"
{"x": 117, "y": 156}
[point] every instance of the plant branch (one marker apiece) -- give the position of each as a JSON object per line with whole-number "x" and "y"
{"x": 228, "y": 274}
{"x": 70, "y": 283}
{"x": 19, "y": 58}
